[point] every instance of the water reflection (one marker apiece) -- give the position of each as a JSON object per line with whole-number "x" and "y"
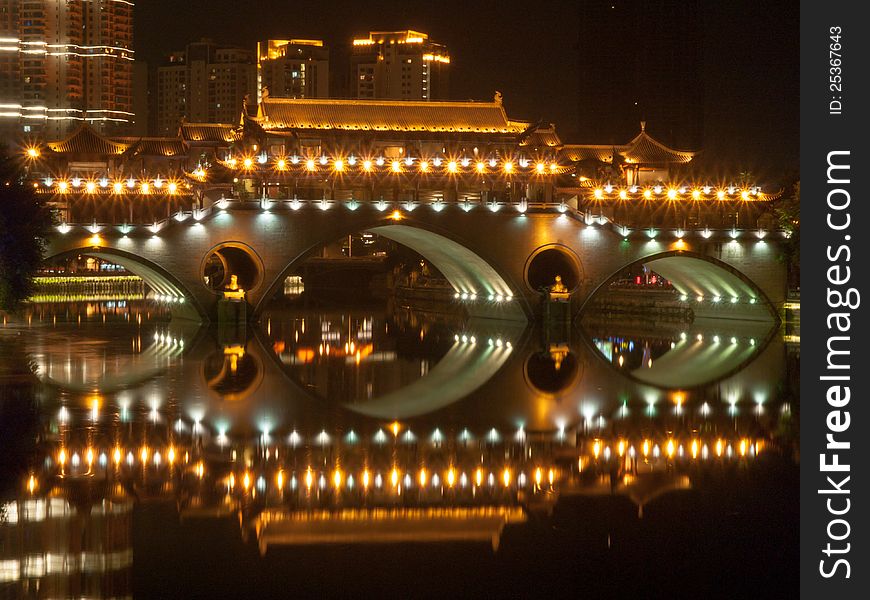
{"x": 325, "y": 427}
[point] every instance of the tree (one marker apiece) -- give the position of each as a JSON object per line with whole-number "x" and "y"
{"x": 788, "y": 214}
{"x": 25, "y": 222}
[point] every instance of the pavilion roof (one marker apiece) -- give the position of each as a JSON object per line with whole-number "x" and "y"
{"x": 210, "y": 132}
{"x": 642, "y": 149}
{"x": 156, "y": 146}
{"x": 85, "y": 140}
{"x": 386, "y": 115}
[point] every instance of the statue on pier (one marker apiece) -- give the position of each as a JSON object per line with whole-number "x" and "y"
{"x": 233, "y": 291}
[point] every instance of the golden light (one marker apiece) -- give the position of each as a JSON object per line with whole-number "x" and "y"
{"x": 279, "y": 480}
{"x": 367, "y": 165}
{"x": 309, "y": 164}
{"x": 143, "y": 454}
{"x": 645, "y": 448}
{"x": 540, "y": 167}
{"x": 281, "y": 165}
{"x": 670, "y": 448}
{"x": 395, "y": 428}
{"x": 696, "y": 194}
{"x": 336, "y": 478}
{"x": 90, "y": 187}
{"x": 231, "y": 482}
{"x": 31, "y": 484}
{"x": 200, "y": 469}
{"x": 338, "y": 165}
{"x": 623, "y": 195}
{"x": 620, "y": 447}
{"x": 366, "y": 478}
{"x": 248, "y": 163}
{"x": 744, "y": 195}
{"x": 509, "y": 167}
{"x": 116, "y": 455}
{"x": 720, "y": 194}
{"x": 32, "y": 152}
{"x": 172, "y": 187}
{"x": 170, "y": 455}
{"x": 424, "y": 166}
{"x": 199, "y": 173}
{"x": 553, "y": 167}
{"x": 118, "y": 187}
{"x": 396, "y": 215}
{"x": 95, "y": 241}
{"x": 145, "y": 187}
{"x": 694, "y": 448}
{"x": 719, "y": 447}
{"x": 672, "y": 194}
{"x": 551, "y": 476}
{"x": 89, "y": 456}
{"x": 598, "y": 193}
{"x": 743, "y": 445}
{"x": 396, "y": 166}
{"x": 246, "y": 481}
{"x": 506, "y": 477}
{"x": 61, "y": 457}
{"x": 647, "y": 193}
{"x": 481, "y": 167}
{"x": 62, "y": 186}
{"x": 478, "y": 476}
{"x": 451, "y": 476}
{"x": 423, "y": 478}
{"x": 394, "y": 477}
{"x": 539, "y": 474}
{"x": 596, "y": 448}
{"x": 452, "y": 167}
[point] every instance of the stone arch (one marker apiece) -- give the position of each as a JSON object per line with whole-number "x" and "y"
{"x": 700, "y": 275}
{"x": 184, "y": 303}
{"x": 466, "y": 270}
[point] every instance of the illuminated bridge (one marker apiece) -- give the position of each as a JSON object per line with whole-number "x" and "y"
{"x": 498, "y": 206}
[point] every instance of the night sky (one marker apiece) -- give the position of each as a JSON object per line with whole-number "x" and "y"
{"x": 750, "y": 70}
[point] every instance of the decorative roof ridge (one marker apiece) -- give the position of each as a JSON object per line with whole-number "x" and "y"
{"x": 643, "y": 135}
{"x": 384, "y": 102}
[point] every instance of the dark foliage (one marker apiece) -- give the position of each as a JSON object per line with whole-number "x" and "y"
{"x": 24, "y": 225}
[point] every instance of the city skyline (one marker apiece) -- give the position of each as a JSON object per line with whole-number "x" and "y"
{"x": 535, "y": 66}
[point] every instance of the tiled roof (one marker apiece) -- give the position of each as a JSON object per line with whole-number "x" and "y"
{"x": 85, "y": 140}
{"x": 542, "y": 136}
{"x": 386, "y": 115}
{"x": 155, "y": 146}
{"x": 209, "y": 132}
{"x": 644, "y": 149}
{"x": 579, "y": 153}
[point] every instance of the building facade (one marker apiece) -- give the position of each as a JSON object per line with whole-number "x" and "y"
{"x": 64, "y": 62}
{"x": 399, "y": 65}
{"x": 206, "y": 82}
{"x": 292, "y": 69}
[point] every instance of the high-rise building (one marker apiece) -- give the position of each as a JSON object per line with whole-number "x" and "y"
{"x": 64, "y": 62}
{"x": 640, "y": 60}
{"x": 293, "y": 69}
{"x": 399, "y": 65}
{"x": 205, "y": 83}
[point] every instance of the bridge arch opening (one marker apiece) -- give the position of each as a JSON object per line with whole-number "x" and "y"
{"x": 551, "y": 261}
{"x": 708, "y": 286}
{"x": 472, "y": 280}
{"x": 163, "y": 286}
{"x": 228, "y": 259}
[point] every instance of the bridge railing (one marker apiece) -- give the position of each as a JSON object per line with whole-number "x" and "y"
{"x": 397, "y": 209}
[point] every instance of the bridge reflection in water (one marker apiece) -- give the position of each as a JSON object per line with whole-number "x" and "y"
{"x": 363, "y": 427}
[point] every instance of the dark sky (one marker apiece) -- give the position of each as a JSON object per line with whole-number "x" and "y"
{"x": 527, "y": 51}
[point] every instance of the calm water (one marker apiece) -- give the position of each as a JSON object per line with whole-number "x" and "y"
{"x": 380, "y": 450}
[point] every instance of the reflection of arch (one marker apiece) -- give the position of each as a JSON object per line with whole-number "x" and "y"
{"x": 157, "y": 278}
{"x": 694, "y": 363}
{"x": 464, "y": 268}
{"x": 696, "y": 274}
{"x": 553, "y": 372}
{"x": 463, "y": 369}
{"x": 238, "y": 374}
